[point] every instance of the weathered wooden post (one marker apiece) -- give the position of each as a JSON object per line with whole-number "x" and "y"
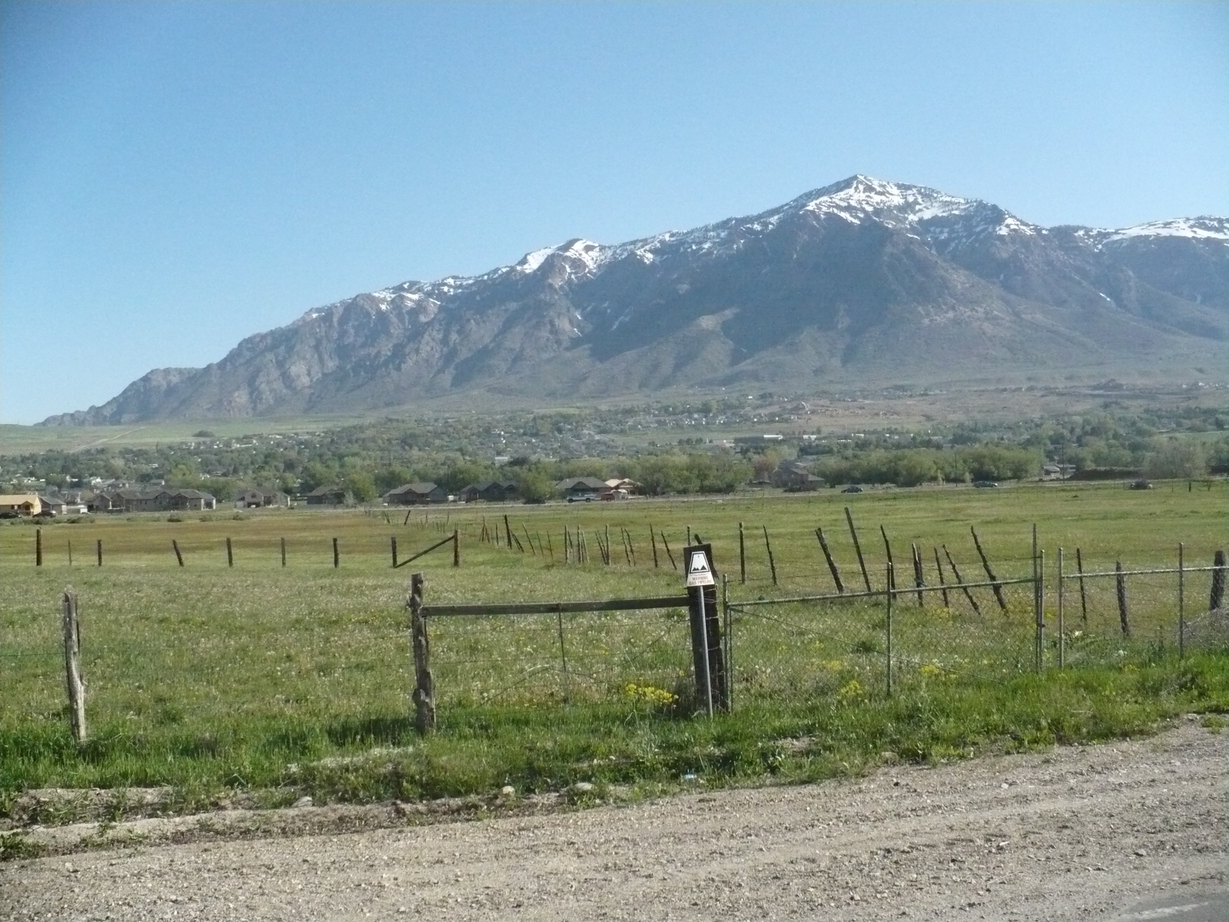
{"x": 178, "y": 554}
{"x": 508, "y": 533}
{"x": 664, "y": 541}
{"x": 866, "y": 578}
{"x": 1120, "y": 581}
{"x": 1217, "y": 599}
{"x": 38, "y": 547}
{"x": 424, "y": 681}
{"x": 960, "y": 582}
{"x": 336, "y": 555}
{"x": 836, "y": 575}
{"x": 742, "y": 556}
{"x": 72, "y": 667}
{"x": 393, "y": 547}
{"x": 887, "y": 546}
{"x": 1079, "y": 569}
{"x": 70, "y": 552}
{"x": 772, "y": 563}
{"x": 283, "y": 552}
{"x": 100, "y": 552}
{"x": 985, "y": 562}
{"x": 653, "y": 541}
{"x": 456, "y": 547}
{"x": 230, "y": 554}
{"x": 919, "y": 576}
{"x": 942, "y": 579}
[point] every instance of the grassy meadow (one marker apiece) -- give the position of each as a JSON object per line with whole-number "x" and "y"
{"x": 272, "y": 681}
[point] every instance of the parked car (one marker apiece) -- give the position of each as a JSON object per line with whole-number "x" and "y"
{"x": 1141, "y": 485}
{"x": 582, "y": 497}
{"x": 983, "y": 484}
{"x": 45, "y": 514}
{"x": 852, "y": 488}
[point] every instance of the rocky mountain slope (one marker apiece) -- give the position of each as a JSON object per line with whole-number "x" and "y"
{"x": 862, "y": 281}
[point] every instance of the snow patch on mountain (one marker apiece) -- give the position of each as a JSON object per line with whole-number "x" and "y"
{"x": 1208, "y": 228}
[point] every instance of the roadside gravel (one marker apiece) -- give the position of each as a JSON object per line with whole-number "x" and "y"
{"x": 1072, "y": 833}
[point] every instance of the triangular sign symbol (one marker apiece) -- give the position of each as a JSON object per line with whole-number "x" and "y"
{"x": 699, "y": 563}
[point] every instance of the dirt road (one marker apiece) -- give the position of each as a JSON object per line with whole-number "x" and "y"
{"x": 1074, "y": 833}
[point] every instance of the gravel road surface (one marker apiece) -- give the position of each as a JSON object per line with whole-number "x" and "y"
{"x": 1081, "y": 833}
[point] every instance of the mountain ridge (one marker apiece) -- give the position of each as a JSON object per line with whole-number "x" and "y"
{"x": 860, "y": 279}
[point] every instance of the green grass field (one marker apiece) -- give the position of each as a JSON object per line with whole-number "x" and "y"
{"x": 278, "y": 681}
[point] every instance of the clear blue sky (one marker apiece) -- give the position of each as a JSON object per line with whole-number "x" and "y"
{"x": 176, "y": 176}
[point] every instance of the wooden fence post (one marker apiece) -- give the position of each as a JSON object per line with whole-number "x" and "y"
{"x": 38, "y": 547}
{"x": 336, "y": 555}
{"x": 1120, "y": 581}
{"x": 1079, "y": 569}
{"x": 424, "y": 681}
{"x": 456, "y": 547}
{"x": 178, "y": 554}
{"x": 393, "y": 547}
{"x": 508, "y": 533}
{"x": 985, "y": 562}
{"x": 72, "y": 667}
{"x": 230, "y": 554}
{"x": 866, "y": 578}
{"x": 960, "y": 582}
{"x": 1217, "y": 598}
{"x": 742, "y": 555}
{"x": 100, "y": 552}
{"x": 653, "y": 541}
{"x": 666, "y": 542}
{"x": 942, "y": 580}
{"x": 772, "y": 563}
{"x": 836, "y": 575}
{"x": 919, "y": 576}
{"x": 887, "y": 545}
{"x": 283, "y": 552}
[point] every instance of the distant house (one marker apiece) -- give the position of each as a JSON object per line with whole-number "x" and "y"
{"x": 258, "y": 499}
{"x": 581, "y": 486}
{"x": 193, "y": 500}
{"x": 20, "y": 503}
{"x": 59, "y": 505}
{"x": 491, "y": 491}
{"x": 624, "y": 484}
{"x": 416, "y": 494}
{"x": 152, "y": 501}
{"x": 326, "y": 496}
{"x": 790, "y": 475}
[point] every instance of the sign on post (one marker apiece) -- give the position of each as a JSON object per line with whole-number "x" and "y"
{"x": 698, "y": 566}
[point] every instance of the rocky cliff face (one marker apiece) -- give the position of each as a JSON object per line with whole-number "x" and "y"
{"x": 860, "y": 281}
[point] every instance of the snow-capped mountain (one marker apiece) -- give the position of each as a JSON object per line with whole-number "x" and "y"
{"x": 860, "y": 281}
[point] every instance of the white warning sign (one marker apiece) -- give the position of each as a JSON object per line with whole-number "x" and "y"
{"x": 699, "y": 572}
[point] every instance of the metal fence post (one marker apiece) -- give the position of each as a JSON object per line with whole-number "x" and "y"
{"x": 1039, "y": 604}
{"x": 1062, "y": 636}
{"x": 889, "y": 628}
{"x": 728, "y": 642}
{"x": 1181, "y": 605}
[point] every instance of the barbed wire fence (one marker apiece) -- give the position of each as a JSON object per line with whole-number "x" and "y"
{"x": 899, "y": 637}
{"x": 903, "y": 634}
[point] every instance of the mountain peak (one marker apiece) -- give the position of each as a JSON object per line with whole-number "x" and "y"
{"x": 800, "y": 295}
